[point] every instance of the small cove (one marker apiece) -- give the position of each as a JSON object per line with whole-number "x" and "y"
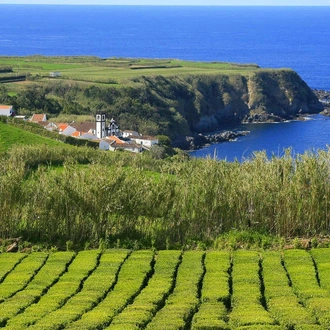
{"x": 273, "y": 138}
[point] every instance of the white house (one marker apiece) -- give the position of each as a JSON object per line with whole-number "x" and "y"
{"x": 113, "y": 145}
{"x": 6, "y": 110}
{"x": 55, "y": 74}
{"x": 128, "y": 133}
{"x": 68, "y": 130}
{"x": 146, "y": 141}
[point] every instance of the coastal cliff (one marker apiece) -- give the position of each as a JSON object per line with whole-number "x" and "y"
{"x": 204, "y": 103}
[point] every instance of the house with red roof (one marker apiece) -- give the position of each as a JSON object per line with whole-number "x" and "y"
{"x": 36, "y": 118}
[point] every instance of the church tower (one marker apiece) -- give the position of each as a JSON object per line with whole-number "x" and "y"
{"x": 100, "y": 125}
{"x": 113, "y": 128}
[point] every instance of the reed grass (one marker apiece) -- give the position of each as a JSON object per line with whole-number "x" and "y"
{"x": 119, "y": 196}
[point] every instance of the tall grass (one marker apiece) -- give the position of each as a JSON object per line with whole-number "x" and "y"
{"x": 119, "y": 196}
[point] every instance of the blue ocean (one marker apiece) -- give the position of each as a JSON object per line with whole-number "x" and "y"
{"x": 291, "y": 37}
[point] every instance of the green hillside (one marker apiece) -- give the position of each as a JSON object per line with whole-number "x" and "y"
{"x": 12, "y": 136}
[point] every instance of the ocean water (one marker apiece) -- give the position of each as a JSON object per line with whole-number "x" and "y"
{"x": 291, "y": 37}
{"x": 275, "y": 139}
{"x": 294, "y": 37}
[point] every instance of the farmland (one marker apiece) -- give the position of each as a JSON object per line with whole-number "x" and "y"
{"x": 114, "y": 71}
{"x": 166, "y": 289}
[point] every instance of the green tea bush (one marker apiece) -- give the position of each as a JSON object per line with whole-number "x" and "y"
{"x": 215, "y": 292}
{"x": 23, "y": 273}
{"x": 153, "y": 296}
{"x": 281, "y": 301}
{"x": 95, "y": 288}
{"x": 67, "y": 286}
{"x": 181, "y": 304}
{"x": 247, "y": 292}
{"x": 55, "y": 266}
{"x": 131, "y": 279}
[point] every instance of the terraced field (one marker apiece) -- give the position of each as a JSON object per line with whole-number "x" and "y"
{"x": 122, "y": 289}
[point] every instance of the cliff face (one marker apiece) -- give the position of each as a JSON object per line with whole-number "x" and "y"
{"x": 203, "y": 103}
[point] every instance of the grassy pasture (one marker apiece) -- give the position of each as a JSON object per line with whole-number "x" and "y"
{"x": 123, "y": 289}
{"x": 11, "y": 136}
{"x": 115, "y": 71}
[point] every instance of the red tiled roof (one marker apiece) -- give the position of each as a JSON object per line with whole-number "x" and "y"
{"x": 84, "y": 127}
{"x": 76, "y": 134}
{"x": 38, "y": 117}
{"x": 62, "y": 127}
{"x": 5, "y": 107}
{"x": 116, "y": 139}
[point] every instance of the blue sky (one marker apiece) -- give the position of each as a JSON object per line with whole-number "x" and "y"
{"x": 178, "y": 2}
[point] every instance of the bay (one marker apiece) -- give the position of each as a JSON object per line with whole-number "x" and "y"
{"x": 299, "y": 136}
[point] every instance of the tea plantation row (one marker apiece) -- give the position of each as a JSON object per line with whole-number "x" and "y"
{"x": 123, "y": 289}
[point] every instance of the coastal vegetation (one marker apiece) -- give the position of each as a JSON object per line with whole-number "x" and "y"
{"x": 169, "y": 97}
{"x": 59, "y": 194}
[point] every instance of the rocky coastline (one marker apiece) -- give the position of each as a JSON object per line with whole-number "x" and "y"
{"x": 324, "y": 98}
{"x": 199, "y": 140}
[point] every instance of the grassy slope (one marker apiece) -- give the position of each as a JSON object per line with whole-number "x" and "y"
{"x": 10, "y": 136}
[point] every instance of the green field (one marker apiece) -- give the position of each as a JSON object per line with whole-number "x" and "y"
{"x": 168, "y": 289}
{"x": 114, "y": 70}
{"x": 12, "y": 136}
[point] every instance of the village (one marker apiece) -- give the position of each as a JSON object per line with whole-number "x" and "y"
{"x": 104, "y": 131}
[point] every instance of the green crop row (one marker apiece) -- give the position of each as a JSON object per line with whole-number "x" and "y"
{"x": 146, "y": 304}
{"x": 94, "y": 289}
{"x": 212, "y": 313}
{"x": 247, "y": 295}
{"x": 8, "y": 262}
{"x": 22, "y": 275}
{"x": 303, "y": 275}
{"x": 67, "y": 286}
{"x": 131, "y": 279}
{"x": 282, "y": 303}
{"x": 182, "y": 303}
{"x": 56, "y": 265}
{"x": 321, "y": 305}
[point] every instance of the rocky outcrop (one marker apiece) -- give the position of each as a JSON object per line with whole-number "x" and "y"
{"x": 324, "y": 98}
{"x": 204, "y": 103}
{"x": 197, "y": 141}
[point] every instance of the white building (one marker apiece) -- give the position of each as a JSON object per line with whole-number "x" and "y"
{"x": 100, "y": 126}
{"x": 128, "y": 133}
{"x": 55, "y": 74}
{"x": 146, "y": 141}
{"x": 6, "y": 110}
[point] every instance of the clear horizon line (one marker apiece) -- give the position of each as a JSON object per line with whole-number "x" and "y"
{"x": 161, "y": 5}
